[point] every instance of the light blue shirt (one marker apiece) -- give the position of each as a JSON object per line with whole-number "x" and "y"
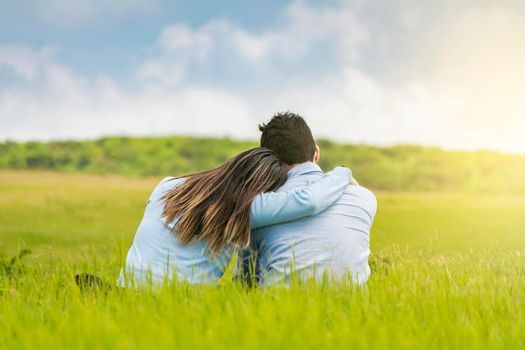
{"x": 333, "y": 243}
{"x": 156, "y": 255}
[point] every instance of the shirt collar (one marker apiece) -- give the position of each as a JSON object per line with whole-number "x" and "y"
{"x": 304, "y": 168}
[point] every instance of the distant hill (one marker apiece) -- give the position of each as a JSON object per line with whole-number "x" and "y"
{"x": 396, "y": 168}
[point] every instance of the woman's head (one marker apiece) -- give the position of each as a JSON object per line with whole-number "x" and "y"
{"x": 216, "y": 203}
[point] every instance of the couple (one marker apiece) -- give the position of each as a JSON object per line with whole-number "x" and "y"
{"x": 273, "y": 205}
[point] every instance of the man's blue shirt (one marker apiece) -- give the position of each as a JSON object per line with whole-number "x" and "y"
{"x": 334, "y": 242}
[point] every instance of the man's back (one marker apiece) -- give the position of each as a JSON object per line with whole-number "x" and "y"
{"x": 334, "y": 242}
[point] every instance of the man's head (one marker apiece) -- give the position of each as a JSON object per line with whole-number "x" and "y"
{"x": 288, "y": 135}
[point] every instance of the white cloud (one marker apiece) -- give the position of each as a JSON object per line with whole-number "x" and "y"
{"x": 357, "y": 108}
{"x": 169, "y": 73}
{"x": 179, "y": 46}
{"x": 303, "y": 27}
{"x": 309, "y": 25}
{"x": 300, "y": 29}
{"x": 22, "y": 61}
{"x": 180, "y": 37}
{"x": 61, "y": 103}
{"x": 251, "y": 46}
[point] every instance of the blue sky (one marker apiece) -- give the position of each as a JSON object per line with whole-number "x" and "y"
{"x": 94, "y": 37}
{"x": 445, "y": 73}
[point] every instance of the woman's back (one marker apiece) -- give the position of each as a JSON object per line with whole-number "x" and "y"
{"x": 157, "y": 254}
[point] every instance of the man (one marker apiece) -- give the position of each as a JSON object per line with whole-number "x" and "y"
{"x": 334, "y": 243}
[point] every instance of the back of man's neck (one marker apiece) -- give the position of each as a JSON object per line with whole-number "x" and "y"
{"x": 289, "y": 167}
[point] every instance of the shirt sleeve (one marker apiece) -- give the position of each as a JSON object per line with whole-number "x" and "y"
{"x": 277, "y": 207}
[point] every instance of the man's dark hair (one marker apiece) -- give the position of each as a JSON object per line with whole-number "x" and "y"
{"x": 288, "y": 135}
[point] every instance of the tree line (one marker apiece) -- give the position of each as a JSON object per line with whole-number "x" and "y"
{"x": 397, "y": 168}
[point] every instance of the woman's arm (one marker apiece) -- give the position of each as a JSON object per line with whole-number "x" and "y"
{"x": 276, "y": 207}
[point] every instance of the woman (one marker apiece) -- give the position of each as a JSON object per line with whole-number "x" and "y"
{"x": 192, "y": 225}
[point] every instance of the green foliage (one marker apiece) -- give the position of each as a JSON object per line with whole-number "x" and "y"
{"x": 12, "y": 267}
{"x": 382, "y": 168}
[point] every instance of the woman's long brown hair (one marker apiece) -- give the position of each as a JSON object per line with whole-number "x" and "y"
{"x": 214, "y": 205}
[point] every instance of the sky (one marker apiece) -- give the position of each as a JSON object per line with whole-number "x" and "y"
{"x": 446, "y": 73}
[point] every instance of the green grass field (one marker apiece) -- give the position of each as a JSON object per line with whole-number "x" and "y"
{"x": 448, "y": 271}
